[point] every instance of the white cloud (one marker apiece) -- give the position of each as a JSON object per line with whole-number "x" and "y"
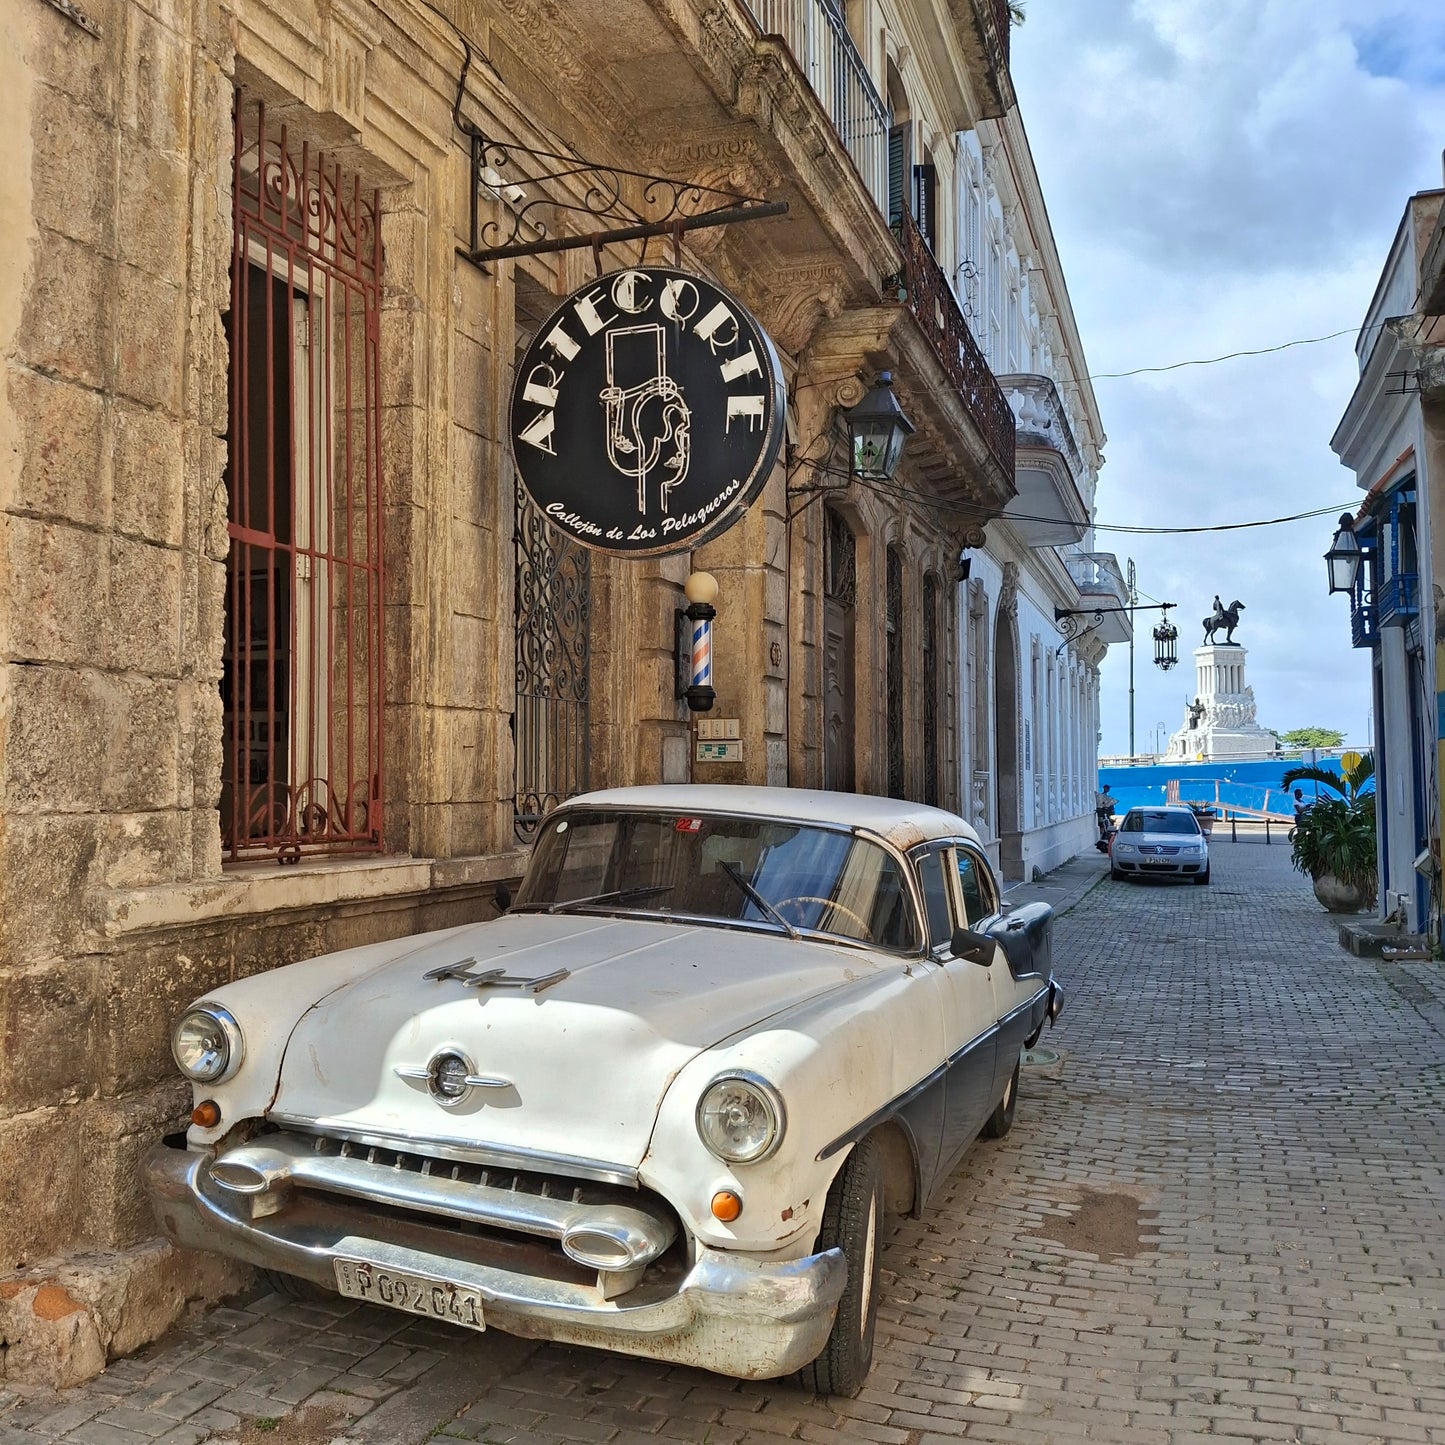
{"x": 1225, "y": 175}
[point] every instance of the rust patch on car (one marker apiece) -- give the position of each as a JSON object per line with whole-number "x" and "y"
{"x": 52, "y": 1303}
{"x": 1107, "y": 1223}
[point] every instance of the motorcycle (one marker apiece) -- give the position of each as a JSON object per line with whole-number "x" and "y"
{"x": 1107, "y": 828}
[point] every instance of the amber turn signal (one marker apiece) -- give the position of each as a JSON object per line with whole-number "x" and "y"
{"x": 726, "y": 1206}
{"x": 206, "y": 1114}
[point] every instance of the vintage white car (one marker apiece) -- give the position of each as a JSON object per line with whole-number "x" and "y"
{"x": 660, "y": 1106}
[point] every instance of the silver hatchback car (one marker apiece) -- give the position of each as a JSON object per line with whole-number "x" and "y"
{"x": 1162, "y": 842}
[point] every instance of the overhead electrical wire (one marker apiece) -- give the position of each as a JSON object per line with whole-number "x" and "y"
{"x": 1232, "y": 355}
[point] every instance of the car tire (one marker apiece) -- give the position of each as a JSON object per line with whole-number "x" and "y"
{"x": 1002, "y": 1119}
{"x": 1201, "y": 879}
{"x": 1117, "y": 876}
{"x": 852, "y": 1222}
{"x": 291, "y": 1286}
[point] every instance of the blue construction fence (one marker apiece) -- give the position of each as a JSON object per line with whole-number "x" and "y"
{"x": 1253, "y": 785}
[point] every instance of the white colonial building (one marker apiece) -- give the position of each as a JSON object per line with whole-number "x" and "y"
{"x": 1034, "y": 610}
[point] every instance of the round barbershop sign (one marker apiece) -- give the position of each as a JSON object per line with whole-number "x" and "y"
{"x": 647, "y": 413}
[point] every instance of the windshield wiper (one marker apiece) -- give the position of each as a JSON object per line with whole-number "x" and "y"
{"x": 615, "y": 895}
{"x": 731, "y": 869}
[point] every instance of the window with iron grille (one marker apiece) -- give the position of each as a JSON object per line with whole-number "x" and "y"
{"x": 931, "y": 681}
{"x": 894, "y": 569}
{"x": 301, "y": 683}
{"x": 553, "y": 666}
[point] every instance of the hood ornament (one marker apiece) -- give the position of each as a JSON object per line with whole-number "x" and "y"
{"x": 462, "y": 972}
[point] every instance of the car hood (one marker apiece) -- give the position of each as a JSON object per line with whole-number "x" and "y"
{"x": 586, "y": 1059}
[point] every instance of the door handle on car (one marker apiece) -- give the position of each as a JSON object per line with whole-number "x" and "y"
{"x": 1014, "y": 924}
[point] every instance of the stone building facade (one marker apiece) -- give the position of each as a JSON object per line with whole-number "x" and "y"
{"x": 286, "y": 663}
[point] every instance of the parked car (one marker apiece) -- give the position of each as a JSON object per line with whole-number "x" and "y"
{"x": 661, "y": 1106}
{"x": 1163, "y": 842}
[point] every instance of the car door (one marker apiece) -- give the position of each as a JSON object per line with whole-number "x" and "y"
{"x": 1024, "y": 937}
{"x": 970, "y": 1011}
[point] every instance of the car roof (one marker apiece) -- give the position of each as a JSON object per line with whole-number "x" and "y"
{"x": 1162, "y": 808}
{"x": 904, "y": 824}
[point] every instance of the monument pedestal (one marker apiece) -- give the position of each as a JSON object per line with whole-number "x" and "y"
{"x": 1226, "y": 725}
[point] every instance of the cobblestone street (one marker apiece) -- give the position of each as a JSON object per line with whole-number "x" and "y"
{"x": 1219, "y": 1215}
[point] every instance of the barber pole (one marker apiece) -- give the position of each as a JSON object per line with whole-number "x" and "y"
{"x": 700, "y": 590}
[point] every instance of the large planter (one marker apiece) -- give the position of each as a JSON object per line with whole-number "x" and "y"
{"x": 1339, "y": 897}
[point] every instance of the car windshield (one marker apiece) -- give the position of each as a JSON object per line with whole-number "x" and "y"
{"x": 700, "y": 866}
{"x": 1148, "y": 820}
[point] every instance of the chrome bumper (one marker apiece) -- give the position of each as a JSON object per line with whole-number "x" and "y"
{"x": 728, "y": 1313}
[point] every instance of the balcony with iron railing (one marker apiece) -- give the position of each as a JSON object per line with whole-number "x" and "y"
{"x": 1398, "y": 600}
{"x": 935, "y": 308}
{"x": 830, "y": 61}
{"x": 1364, "y": 630}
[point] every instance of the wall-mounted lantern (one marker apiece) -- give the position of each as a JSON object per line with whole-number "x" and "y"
{"x": 694, "y": 641}
{"x": 877, "y": 430}
{"x": 1343, "y": 558}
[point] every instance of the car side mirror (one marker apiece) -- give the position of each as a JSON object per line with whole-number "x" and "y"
{"x": 972, "y": 947}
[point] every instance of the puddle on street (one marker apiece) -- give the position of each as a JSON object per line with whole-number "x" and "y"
{"x": 1107, "y": 1224}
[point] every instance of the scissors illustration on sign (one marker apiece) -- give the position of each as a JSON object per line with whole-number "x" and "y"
{"x": 648, "y": 422}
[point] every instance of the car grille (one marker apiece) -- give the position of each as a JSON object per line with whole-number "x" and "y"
{"x": 615, "y": 1230}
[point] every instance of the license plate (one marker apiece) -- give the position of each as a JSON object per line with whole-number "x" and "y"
{"x": 433, "y": 1299}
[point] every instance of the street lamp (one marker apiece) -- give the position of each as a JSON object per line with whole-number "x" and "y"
{"x": 1166, "y": 638}
{"x": 1343, "y": 558}
{"x": 877, "y": 430}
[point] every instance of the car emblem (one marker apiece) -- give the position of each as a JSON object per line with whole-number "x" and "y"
{"x": 449, "y": 1076}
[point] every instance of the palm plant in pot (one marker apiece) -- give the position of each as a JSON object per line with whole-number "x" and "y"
{"x": 1333, "y": 841}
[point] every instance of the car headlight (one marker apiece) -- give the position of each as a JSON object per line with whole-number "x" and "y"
{"x": 740, "y": 1118}
{"x": 206, "y": 1043}
{"x": 1125, "y": 848}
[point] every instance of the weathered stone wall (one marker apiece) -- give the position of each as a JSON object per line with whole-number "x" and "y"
{"x": 115, "y": 250}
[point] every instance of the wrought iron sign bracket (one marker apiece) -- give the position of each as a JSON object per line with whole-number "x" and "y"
{"x": 523, "y": 182}
{"x": 1072, "y": 625}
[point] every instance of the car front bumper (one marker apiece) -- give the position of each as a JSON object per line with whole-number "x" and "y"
{"x": 736, "y": 1315}
{"x": 1154, "y": 866}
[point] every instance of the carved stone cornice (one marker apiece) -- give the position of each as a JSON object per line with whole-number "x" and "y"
{"x": 567, "y": 61}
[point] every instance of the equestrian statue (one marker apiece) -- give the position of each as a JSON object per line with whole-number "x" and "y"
{"x": 1226, "y": 618}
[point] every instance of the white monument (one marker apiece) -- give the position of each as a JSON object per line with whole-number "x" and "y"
{"x": 1221, "y": 721}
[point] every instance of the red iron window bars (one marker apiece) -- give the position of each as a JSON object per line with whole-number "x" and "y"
{"x": 302, "y": 672}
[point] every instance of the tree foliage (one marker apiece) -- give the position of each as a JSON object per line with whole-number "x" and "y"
{"x": 1312, "y": 738}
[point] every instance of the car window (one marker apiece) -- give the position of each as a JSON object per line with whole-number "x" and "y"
{"x": 1159, "y": 820}
{"x": 823, "y": 879}
{"x": 934, "y": 882}
{"x": 975, "y": 880}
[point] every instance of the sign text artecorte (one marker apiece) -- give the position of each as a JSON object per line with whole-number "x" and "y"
{"x": 647, "y": 413}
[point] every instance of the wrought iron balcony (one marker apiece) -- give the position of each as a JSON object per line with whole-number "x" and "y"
{"x": 826, "y": 55}
{"x": 930, "y": 298}
{"x": 1398, "y": 600}
{"x": 1364, "y": 630}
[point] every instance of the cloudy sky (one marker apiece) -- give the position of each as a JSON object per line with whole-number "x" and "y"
{"x": 1227, "y": 175}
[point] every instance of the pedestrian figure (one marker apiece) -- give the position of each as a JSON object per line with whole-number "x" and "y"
{"x": 1300, "y": 806}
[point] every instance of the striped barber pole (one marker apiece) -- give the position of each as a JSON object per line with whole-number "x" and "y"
{"x": 702, "y": 652}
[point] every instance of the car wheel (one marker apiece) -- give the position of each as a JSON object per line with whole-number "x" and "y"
{"x": 852, "y": 1217}
{"x": 1200, "y": 879}
{"x": 1117, "y": 876}
{"x": 1001, "y": 1120}
{"x": 293, "y": 1287}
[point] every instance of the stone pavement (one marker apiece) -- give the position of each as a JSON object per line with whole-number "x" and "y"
{"x": 1219, "y": 1215}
